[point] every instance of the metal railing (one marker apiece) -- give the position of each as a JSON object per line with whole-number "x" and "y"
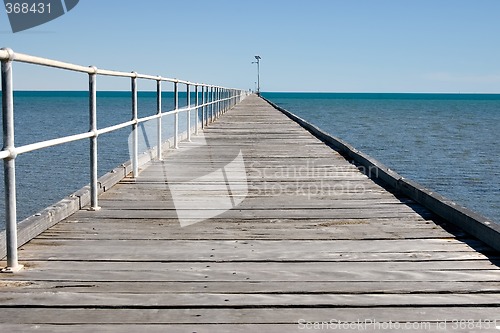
{"x": 210, "y": 99}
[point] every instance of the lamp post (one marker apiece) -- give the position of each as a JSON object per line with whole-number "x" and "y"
{"x": 258, "y": 73}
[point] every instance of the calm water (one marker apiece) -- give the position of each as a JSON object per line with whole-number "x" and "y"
{"x": 447, "y": 142}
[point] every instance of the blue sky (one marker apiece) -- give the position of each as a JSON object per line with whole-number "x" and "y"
{"x": 314, "y": 45}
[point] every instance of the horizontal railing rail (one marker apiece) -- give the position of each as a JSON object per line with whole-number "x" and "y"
{"x": 211, "y": 100}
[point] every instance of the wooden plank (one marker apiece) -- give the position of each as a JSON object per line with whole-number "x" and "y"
{"x": 360, "y": 257}
{"x": 259, "y": 247}
{"x": 153, "y": 328}
{"x": 278, "y": 316}
{"x": 298, "y": 273}
{"x": 88, "y": 228}
{"x": 254, "y": 203}
{"x": 265, "y": 266}
{"x": 161, "y": 233}
{"x": 240, "y": 300}
{"x": 253, "y": 214}
{"x": 413, "y": 327}
{"x": 253, "y": 287}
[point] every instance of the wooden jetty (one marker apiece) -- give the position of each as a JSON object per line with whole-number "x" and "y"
{"x": 315, "y": 244}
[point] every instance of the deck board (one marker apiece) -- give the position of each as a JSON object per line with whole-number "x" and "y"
{"x": 314, "y": 239}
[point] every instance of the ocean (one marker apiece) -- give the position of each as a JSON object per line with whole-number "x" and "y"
{"x": 447, "y": 142}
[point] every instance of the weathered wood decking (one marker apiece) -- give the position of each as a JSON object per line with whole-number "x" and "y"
{"x": 314, "y": 240}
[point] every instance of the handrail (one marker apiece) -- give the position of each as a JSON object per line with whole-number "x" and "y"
{"x": 9, "y": 55}
{"x": 215, "y": 100}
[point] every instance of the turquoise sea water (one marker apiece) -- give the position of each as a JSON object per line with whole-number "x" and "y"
{"x": 446, "y": 142}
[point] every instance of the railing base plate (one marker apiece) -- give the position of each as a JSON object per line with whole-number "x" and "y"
{"x": 12, "y": 269}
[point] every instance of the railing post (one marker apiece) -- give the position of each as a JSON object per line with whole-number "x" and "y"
{"x": 188, "y": 116}
{"x": 224, "y": 94}
{"x": 217, "y": 110}
{"x": 223, "y": 101}
{"x": 212, "y": 106}
{"x": 196, "y": 103}
{"x": 135, "y": 132}
{"x": 204, "y": 107}
{"x": 94, "y": 191}
{"x": 159, "y": 147}
{"x": 9, "y": 166}
{"x": 217, "y": 106}
{"x": 227, "y": 95}
{"x": 216, "y": 103}
{"x": 208, "y": 105}
{"x": 176, "y": 115}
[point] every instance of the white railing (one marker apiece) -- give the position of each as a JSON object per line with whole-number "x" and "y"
{"x": 215, "y": 100}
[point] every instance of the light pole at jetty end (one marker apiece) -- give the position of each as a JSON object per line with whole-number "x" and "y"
{"x": 258, "y": 73}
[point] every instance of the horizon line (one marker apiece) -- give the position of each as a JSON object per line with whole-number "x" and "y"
{"x": 283, "y": 91}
